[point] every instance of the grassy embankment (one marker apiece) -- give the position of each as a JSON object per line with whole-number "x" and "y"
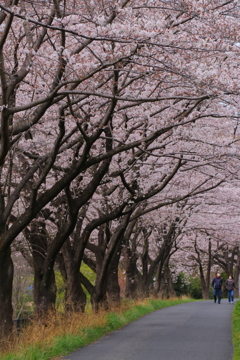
{"x": 236, "y": 330}
{"x": 61, "y": 335}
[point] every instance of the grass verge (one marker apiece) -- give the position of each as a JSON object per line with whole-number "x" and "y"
{"x": 60, "y": 335}
{"x": 236, "y": 330}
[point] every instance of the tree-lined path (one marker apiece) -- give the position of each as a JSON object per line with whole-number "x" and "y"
{"x": 192, "y": 331}
{"x": 119, "y": 150}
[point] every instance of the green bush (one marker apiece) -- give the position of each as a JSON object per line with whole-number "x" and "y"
{"x": 188, "y": 285}
{"x": 195, "y": 287}
{"x": 181, "y": 285}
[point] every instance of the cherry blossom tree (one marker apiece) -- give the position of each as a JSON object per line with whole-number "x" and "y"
{"x": 87, "y": 86}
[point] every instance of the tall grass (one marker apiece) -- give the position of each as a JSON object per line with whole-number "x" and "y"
{"x": 61, "y": 334}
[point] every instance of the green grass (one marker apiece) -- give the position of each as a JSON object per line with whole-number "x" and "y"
{"x": 236, "y": 330}
{"x": 62, "y": 345}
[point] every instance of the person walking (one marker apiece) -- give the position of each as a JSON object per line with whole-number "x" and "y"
{"x": 217, "y": 286}
{"x": 230, "y": 286}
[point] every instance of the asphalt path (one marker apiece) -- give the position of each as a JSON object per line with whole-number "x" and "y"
{"x": 193, "y": 331}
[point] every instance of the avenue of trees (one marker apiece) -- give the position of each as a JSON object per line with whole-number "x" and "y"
{"x": 119, "y": 146}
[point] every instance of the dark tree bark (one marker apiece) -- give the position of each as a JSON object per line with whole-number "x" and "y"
{"x": 133, "y": 277}
{"x": 162, "y": 291}
{"x": 73, "y": 255}
{"x": 237, "y": 273}
{"x": 205, "y": 278}
{"x": 145, "y": 262}
{"x": 100, "y": 293}
{"x": 44, "y": 296}
{"x": 75, "y": 298}
{"x": 75, "y": 293}
{"x": 44, "y": 293}
{"x": 6, "y": 278}
{"x": 163, "y": 257}
{"x": 113, "y": 288}
{"x": 131, "y": 274}
{"x": 171, "y": 293}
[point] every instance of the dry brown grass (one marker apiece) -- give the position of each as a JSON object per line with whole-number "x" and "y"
{"x": 43, "y": 332}
{"x": 57, "y": 324}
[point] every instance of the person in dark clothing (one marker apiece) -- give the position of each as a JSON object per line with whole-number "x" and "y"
{"x": 230, "y": 286}
{"x": 217, "y": 286}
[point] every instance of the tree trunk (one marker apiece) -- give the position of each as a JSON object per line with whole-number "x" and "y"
{"x": 205, "y": 289}
{"x": 131, "y": 274}
{"x": 99, "y": 297}
{"x": 205, "y": 293}
{"x": 44, "y": 281}
{"x": 75, "y": 297}
{"x": 160, "y": 283}
{"x": 113, "y": 288}
{"x": 44, "y": 293}
{"x": 107, "y": 292}
{"x": 145, "y": 276}
{"x": 170, "y": 286}
{"x": 209, "y": 266}
{"x": 204, "y": 282}
{"x": 6, "y": 279}
{"x": 237, "y": 273}
{"x": 113, "y": 252}
{"x": 162, "y": 292}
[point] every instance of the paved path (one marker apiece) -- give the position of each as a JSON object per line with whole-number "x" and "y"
{"x": 193, "y": 331}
